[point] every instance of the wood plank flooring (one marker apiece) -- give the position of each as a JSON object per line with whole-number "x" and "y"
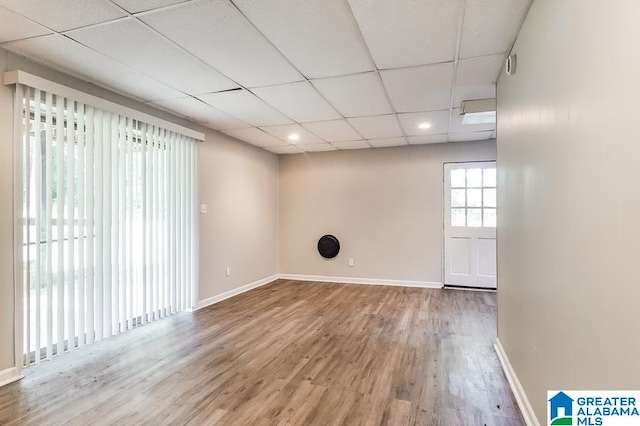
{"x": 287, "y": 353}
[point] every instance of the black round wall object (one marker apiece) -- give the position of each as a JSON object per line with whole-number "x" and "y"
{"x": 328, "y": 246}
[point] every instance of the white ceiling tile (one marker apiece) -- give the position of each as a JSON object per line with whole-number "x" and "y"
{"x": 377, "y": 127}
{"x": 402, "y": 33}
{"x": 283, "y": 132}
{"x": 216, "y": 32}
{"x": 245, "y": 106}
{"x": 352, "y": 145}
{"x": 383, "y": 143}
{"x": 466, "y": 93}
{"x": 77, "y": 60}
{"x": 321, "y": 147}
{"x": 476, "y": 78}
{"x": 61, "y": 15}
{"x": 255, "y": 137}
{"x": 410, "y": 122}
{"x": 15, "y": 27}
{"x": 427, "y": 139}
{"x": 480, "y": 70}
{"x": 456, "y": 125}
{"x": 474, "y": 136}
{"x": 196, "y": 110}
{"x": 478, "y": 91}
{"x": 320, "y": 37}
{"x": 419, "y": 88}
{"x": 355, "y": 95}
{"x": 491, "y": 26}
{"x": 333, "y": 131}
{"x": 135, "y": 6}
{"x": 139, "y": 47}
{"x": 300, "y": 101}
{"x": 288, "y": 149}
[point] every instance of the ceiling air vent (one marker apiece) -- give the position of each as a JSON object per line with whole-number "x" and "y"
{"x": 478, "y": 111}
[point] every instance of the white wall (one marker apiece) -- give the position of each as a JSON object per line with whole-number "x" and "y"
{"x": 569, "y": 199}
{"x": 238, "y": 182}
{"x": 384, "y": 205}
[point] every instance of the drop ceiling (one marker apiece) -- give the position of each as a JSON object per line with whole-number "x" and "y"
{"x": 339, "y": 74}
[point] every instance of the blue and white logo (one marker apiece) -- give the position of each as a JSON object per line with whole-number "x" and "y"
{"x": 593, "y": 408}
{"x": 561, "y": 409}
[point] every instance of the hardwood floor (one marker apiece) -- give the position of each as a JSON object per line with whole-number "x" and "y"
{"x": 286, "y": 353}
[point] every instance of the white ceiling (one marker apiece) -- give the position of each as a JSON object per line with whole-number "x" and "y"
{"x": 340, "y": 74}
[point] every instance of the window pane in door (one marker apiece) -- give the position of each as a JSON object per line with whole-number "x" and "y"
{"x": 474, "y": 178}
{"x": 489, "y": 218}
{"x": 458, "y": 178}
{"x": 458, "y": 198}
{"x": 474, "y": 197}
{"x": 474, "y": 218}
{"x": 489, "y": 177}
{"x": 489, "y": 197}
{"x": 458, "y": 217}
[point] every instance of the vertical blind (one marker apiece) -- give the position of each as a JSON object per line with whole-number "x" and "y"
{"x": 108, "y": 222}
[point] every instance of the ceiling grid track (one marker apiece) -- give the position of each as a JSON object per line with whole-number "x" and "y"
{"x": 456, "y": 59}
{"x": 375, "y": 74}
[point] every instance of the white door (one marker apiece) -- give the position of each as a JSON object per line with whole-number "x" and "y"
{"x": 470, "y": 224}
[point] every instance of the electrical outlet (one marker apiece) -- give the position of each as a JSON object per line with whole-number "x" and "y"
{"x": 228, "y": 272}
{"x": 203, "y": 208}
{"x": 351, "y": 263}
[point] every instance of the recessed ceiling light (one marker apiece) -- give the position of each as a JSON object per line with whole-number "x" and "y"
{"x": 424, "y": 125}
{"x": 293, "y": 137}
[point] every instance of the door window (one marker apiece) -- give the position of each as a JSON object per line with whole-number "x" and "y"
{"x": 473, "y": 198}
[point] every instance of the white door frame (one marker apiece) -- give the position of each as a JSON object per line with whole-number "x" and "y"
{"x": 447, "y": 166}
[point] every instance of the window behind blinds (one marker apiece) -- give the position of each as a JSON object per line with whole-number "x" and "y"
{"x": 108, "y": 228}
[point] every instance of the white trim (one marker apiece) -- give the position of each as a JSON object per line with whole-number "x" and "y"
{"x": 10, "y": 375}
{"x": 521, "y": 397}
{"x": 341, "y": 280}
{"x": 21, "y": 77}
{"x": 354, "y": 280}
{"x": 236, "y": 291}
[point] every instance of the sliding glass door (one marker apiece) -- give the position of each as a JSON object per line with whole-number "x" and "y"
{"x": 108, "y": 223}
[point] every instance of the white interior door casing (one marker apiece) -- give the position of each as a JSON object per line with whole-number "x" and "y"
{"x": 470, "y": 213}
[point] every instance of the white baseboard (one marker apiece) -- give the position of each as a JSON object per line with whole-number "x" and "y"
{"x": 10, "y": 375}
{"x": 521, "y": 397}
{"x": 343, "y": 280}
{"x": 228, "y": 294}
{"x": 353, "y": 280}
